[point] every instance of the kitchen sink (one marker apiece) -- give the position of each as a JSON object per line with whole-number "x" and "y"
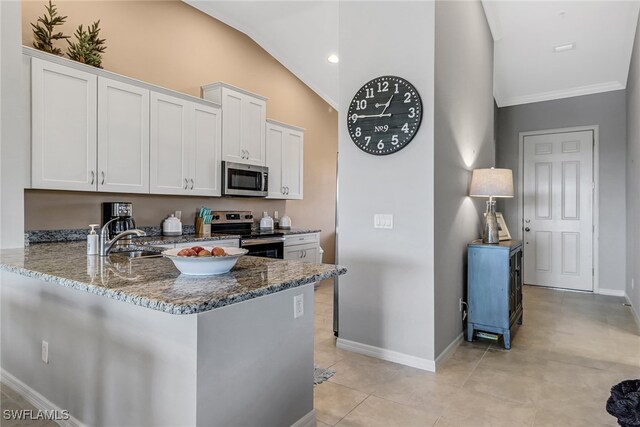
{"x": 138, "y": 254}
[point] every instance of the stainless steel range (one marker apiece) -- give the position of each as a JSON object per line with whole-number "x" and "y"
{"x": 268, "y": 244}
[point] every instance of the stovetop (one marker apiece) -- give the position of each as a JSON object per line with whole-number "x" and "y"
{"x": 250, "y": 234}
{"x": 239, "y": 223}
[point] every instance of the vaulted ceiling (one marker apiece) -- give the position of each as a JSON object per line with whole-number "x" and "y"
{"x": 299, "y": 34}
{"x": 596, "y": 38}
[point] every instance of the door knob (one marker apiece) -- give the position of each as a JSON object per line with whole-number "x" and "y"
{"x": 527, "y": 229}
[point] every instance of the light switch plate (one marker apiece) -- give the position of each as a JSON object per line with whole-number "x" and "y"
{"x": 383, "y": 221}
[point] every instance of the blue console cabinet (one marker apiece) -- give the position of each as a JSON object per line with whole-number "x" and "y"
{"x": 494, "y": 288}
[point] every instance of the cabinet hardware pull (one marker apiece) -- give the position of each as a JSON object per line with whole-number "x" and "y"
{"x": 191, "y": 183}
{"x": 248, "y": 154}
{"x": 102, "y": 174}
{"x": 186, "y": 183}
{"x": 93, "y": 177}
{"x": 282, "y": 189}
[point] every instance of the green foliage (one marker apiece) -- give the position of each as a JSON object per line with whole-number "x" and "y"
{"x": 88, "y": 47}
{"x": 43, "y": 30}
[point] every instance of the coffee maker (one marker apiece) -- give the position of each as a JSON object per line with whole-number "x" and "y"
{"x": 122, "y": 213}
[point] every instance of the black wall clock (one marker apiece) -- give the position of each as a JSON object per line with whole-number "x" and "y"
{"x": 384, "y": 115}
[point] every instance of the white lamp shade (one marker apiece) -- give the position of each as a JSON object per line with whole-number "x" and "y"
{"x": 491, "y": 183}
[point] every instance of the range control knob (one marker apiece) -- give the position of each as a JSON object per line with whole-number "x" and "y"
{"x": 216, "y": 217}
{"x": 248, "y": 217}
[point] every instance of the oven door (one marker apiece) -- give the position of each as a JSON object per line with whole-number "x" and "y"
{"x": 244, "y": 180}
{"x": 266, "y": 248}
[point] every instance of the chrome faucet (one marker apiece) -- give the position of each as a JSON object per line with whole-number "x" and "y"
{"x": 106, "y": 245}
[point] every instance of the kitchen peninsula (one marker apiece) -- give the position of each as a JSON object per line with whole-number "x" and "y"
{"x": 133, "y": 342}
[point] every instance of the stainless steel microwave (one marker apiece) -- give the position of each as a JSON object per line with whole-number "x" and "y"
{"x": 239, "y": 179}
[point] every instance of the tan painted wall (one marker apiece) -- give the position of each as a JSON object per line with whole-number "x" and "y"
{"x": 171, "y": 44}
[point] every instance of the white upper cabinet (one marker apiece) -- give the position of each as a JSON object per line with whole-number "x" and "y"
{"x": 123, "y": 137}
{"x": 185, "y": 147}
{"x": 63, "y": 126}
{"x": 168, "y": 158}
{"x": 206, "y": 151}
{"x": 243, "y": 123}
{"x": 285, "y": 160}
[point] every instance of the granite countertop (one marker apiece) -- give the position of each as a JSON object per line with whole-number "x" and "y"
{"x": 185, "y": 238}
{"x": 154, "y": 235}
{"x": 155, "y": 283}
{"x": 297, "y": 231}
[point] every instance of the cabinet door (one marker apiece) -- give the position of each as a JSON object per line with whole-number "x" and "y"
{"x": 123, "y": 137}
{"x": 293, "y": 254}
{"x": 275, "y": 136}
{"x": 63, "y": 127}
{"x": 169, "y": 147}
{"x": 205, "y": 168}
{"x": 304, "y": 253}
{"x": 311, "y": 254}
{"x": 254, "y": 115}
{"x": 292, "y": 164}
{"x": 232, "y": 150}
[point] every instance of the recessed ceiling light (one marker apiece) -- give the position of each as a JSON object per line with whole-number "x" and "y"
{"x": 564, "y": 47}
{"x": 333, "y": 59}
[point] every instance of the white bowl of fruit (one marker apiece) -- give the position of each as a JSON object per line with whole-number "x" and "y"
{"x": 200, "y": 261}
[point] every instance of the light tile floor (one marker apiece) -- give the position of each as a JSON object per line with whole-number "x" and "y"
{"x": 564, "y": 359}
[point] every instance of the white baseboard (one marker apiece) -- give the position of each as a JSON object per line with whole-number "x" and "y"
{"x": 308, "y": 420}
{"x": 612, "y": 292}
{"x": 634, "y": 313}
{"x": 385, "y": 354}
{"x": 36, "y": 399}
{"x": 448, "y": 352}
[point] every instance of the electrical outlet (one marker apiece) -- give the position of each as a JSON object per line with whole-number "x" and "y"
{"x": 383, "y": 221}
{"x": 45, "y": 352}
{"x": 633, "y": 284}
{"x": 298, "y": 306}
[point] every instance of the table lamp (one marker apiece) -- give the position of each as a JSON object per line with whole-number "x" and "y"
{"x": 491, "y": 183}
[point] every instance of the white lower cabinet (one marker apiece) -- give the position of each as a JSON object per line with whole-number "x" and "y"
{"x": 285, "y": 159}
{"x": 185, "y": 147}
{"x": 302, "y": 247}
{"x": 306, "y": 253}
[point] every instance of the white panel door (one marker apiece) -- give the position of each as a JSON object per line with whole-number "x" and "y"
{"x": 123, "y": 137}
{"x": 232, "y": 150}
{"x": 169, "y": 145}
{"x": 558, "y": 210}
{"x": 275, "y": 136}
{"x": 292, "y": 164}
{"x": 254, "y": 115}
{"x": 205, "y": 172}
{"x": 63, "y": 127}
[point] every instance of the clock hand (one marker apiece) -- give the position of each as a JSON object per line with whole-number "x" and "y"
{"x": 387, "y": 105}
{"x": 365, "y": 116}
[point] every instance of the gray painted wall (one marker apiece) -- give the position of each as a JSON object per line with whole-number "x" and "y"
{"x": 633, "y": 177}
{"x": 386, "y": 299}
{"x": 464, "y": 140}
{"x": 609, "y": 112}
